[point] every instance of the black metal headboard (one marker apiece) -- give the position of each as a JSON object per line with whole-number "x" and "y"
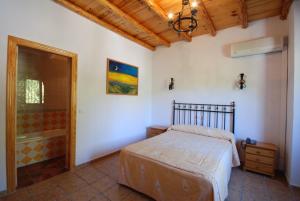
{"x": 208, "y": 115}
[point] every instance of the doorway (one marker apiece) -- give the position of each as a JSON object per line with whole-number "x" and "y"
{"x": 40, "y": 113}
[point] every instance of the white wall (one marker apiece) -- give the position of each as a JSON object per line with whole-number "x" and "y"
{"x": 293, "y": 114}
{"x": 204, "y": 73}
{"x": 104, "y": 122}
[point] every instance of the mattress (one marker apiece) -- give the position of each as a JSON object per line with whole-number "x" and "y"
{"x": 185, "y": 163}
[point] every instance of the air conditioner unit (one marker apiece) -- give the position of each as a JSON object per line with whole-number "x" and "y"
{"x": 257, "y": 46}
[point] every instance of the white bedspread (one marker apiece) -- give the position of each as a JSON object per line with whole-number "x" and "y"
{"x": 207, "y": 153}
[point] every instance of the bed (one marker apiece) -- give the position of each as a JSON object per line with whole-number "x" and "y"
{"x": 191, "y": 161}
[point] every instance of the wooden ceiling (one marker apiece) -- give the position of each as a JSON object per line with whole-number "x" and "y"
{"x": 146, "y": 23}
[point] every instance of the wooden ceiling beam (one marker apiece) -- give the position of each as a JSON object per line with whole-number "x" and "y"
{"x": 154, "y": 7}
{"x": 131, "y": 20}
{"x": 209, "y": 22}
{"x": 95, "y": 19}
{"x": 286, "y": 4}
{"x": 244, "y": 14}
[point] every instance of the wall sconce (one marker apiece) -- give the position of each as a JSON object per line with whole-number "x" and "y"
{"x": 242, "y": 81}
{"x": 171, "y": 84}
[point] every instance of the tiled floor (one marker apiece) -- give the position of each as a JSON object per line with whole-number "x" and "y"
{"x": 98, "y": 182}
{"x": 41, "y": 171}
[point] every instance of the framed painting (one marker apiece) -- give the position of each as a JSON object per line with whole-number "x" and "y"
{"x": 121, "y": 78}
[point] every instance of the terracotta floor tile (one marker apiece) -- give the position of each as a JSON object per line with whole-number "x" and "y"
{"x": 296, "y": 194}
{"x": 53, "y": 194}
{"x": 279, "y": 191}
{"x": 236, "y": 184}
{"x": 252, "y": 179}
{"x": 113, "y": 157}
{"x": 72, "y": 183}
{"x": 2, "y": 194}
{"x": 61, "y": 177}
{"x": 101, "y": 164}
{"x": 112, "y": 172}
{"x": 41, "y": 187}
{"x": 116, "y": 163}
{"x": 234, "y": 195}
{"x": 19, "y": 195}
{"x": 107, "y": 162}
{"x": 104, "y": 184}
{"x": 69, "y": 178}
{"x": 296, "y": 198}
{"x": 89, "y": 174}
{"x": 276, "y": 186}
{"x": 84, "y": 194}
{"x": 137, "y": 197}
{"x": 281, "y": 197}
{"x": 117, "y": 193}
{"x": 100, "y": 197}
{"x": 250, "y": 196}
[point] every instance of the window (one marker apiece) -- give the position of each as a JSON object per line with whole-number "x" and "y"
{"x": 34, "y": 91}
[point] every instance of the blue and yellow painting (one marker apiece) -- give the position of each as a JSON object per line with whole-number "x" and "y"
{"x": 121, "y": 78}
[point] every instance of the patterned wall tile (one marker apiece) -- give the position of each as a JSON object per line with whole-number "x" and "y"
{"x": 40, "y": 121}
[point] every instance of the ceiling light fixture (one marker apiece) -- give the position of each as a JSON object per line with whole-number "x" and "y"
{"x": 185, "y": 20}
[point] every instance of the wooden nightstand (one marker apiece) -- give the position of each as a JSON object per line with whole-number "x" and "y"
{"x": 261, "y": 158}
{"x": 155, "y": 130}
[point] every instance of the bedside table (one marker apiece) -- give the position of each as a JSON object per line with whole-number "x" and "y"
{"x": 261, "y": 158}
{"x": 153, "y": 131}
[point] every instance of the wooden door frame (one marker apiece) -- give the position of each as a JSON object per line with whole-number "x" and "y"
{"x": 12, "y": 57}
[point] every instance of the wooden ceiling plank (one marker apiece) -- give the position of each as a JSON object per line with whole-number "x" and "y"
{"x": 162, "y": 14}
{"x": 244, "y": 13}
{"x": 223, "y": 13}
{"x": 209, "y": 21}
{"x": 95, "y": 19}
{"x": 286, "y": 4}
{"x": 123, "y": 15}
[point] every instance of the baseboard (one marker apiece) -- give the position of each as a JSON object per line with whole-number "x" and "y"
{"x": 99, "y": 158}
{"x": 293, "y": 185}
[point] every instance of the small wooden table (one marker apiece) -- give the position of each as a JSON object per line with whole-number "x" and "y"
{"x": 261, "y": 158}
{"x": 153, "y": 131}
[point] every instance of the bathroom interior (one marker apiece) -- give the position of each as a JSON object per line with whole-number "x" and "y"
{"x": 43, "y": 105}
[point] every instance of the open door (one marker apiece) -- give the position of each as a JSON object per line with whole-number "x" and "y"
{"x": 32, "y": 86}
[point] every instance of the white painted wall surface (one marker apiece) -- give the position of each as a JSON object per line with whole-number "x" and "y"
{"x": 104, "y": 122}
{"x": 204, "y": 73}
{"x": 293, "y": 111}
